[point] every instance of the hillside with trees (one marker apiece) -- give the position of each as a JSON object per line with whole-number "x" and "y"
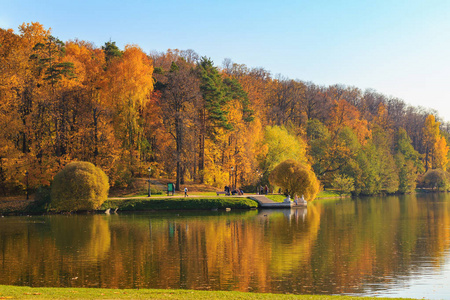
{"x": 125, "y": 110}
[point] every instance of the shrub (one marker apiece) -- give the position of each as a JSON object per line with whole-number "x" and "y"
{"x": 343, "y": 184}
{"x": 295, "y": 178}
{"x": 42, "y": 200}
{"x": 436, "y": 178}
{"x": 79, "y": 186}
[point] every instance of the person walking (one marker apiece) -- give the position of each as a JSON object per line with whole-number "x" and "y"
{"x": 185, "y": 191}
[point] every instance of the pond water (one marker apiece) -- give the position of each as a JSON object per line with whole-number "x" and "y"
{"x": 378, "y": 246}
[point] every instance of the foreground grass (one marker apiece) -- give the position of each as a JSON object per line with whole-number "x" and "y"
{"x": 18, "y": 292}
{"x": 180, "y": 203}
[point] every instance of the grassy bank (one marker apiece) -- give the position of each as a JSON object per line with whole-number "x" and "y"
{"x": 322, "y": 195}
{"x": 16, "y": 292}
{"x": 137, "y": 204}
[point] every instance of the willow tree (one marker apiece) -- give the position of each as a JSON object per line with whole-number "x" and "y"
{"x": 295, "y": 179}
{"x": 279, "y": 145}
{"x": 129, "y": 85}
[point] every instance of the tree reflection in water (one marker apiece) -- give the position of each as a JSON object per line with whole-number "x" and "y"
{"x": 345, "y": 246}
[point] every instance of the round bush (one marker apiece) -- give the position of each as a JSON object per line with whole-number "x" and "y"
{"x": 295, "y": 178}
{"x": 79, "y": 186}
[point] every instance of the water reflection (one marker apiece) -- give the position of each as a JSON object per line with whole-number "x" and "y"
{"x": 369, "y": 246}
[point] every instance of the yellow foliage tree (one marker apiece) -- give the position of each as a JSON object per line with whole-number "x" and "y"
{"x": 295, "y": 178}
{"x": 279, "y": 145}
{"x": 441, "y": 148}
{"x": 129, "y": 85}
{"x": 436, "y": 148}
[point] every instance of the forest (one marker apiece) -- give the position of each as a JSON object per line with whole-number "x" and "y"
{"x": 185, "y": 118}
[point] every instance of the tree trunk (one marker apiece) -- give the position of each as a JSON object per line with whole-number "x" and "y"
{"x": 201, "y": 156}
{"x": 95, "y": 116}
{"x": 179, "y": 142}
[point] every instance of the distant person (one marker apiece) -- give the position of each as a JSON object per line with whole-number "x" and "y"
{"x": 185, "y": 191}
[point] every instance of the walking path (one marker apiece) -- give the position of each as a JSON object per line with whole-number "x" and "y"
{"x": 181, "y": 195}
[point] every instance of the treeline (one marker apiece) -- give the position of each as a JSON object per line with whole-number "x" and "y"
{"x": 185, "y": 118}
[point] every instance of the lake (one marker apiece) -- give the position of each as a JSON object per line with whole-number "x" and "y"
{"x": 376, "y": 246}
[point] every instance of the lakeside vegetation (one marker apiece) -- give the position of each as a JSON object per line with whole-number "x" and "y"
{"x": 180, "y": 203}
{"x": 176, "y": 115}
{"x": 17, "y": 292}
{"x": 135, "y": 200}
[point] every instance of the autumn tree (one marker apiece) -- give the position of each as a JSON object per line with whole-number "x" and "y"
{"x": 256, "y": 83}
{"x": 436, "y": 179}
{"x": 295, "y": 179}
{"x": 384, "y": 160}
{"x": 408, "y": 162}
{"x": 343, "y": 184}
{"x": 315, "y": 104}
{"x": 213, "y": 115}
{"x": 277, "y": 146}
{"x": 129, "y": 84}
{"x": 90, "y": 67}
{"x": 331, "y": 153}
{"x": 345, "y": 114}
{"x": 285, "y": 107}
{"x": 436, "y": 148}
{"x": 180, "y": 96}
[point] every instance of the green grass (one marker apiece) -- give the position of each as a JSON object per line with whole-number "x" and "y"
{"x": 321, "y": 195}
{"x": 276, "y": 197}
{"x": 16, "y": 292}
{"x": 206, "y": 193}
{"x": 177, "y": 203}
{"x": 330, "y": 194}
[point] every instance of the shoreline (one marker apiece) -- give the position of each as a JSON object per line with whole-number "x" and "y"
{"x": 17, "y": 205}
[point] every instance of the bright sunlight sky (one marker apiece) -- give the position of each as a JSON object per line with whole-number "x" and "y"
{"x": 400, "y": 48}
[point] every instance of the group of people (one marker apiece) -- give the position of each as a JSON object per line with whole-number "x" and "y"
{"x": 229, "y": 191}
{"x": 263, "y": 190}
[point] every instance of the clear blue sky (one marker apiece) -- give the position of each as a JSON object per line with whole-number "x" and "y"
{"x": 397, "y": 47}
